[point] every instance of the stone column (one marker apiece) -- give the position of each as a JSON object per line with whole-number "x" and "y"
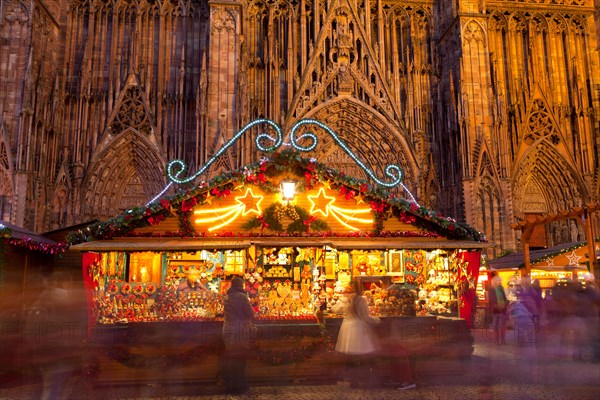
{"x": 223, "y": 73}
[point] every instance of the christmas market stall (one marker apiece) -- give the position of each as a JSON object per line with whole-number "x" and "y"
{"x": 550, "y": 266}
{"x": 303, "y": 236}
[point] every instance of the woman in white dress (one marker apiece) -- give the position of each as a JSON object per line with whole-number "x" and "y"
{"x": 357, "y": 339}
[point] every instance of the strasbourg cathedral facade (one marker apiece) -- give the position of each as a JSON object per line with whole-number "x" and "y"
{"x": 490, "y": 107}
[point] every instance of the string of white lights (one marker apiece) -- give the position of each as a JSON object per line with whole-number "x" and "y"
{"x": 176, "y": 168}
{"x": 393, "y": 171}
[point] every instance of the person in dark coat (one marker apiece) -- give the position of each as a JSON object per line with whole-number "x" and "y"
{"x": 238, "y": 328}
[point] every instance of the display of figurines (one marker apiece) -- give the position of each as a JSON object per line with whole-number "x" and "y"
{"x": 283, "y": 299}
{"x": 362, "y": 268}
{"x": 399, "y": 302}
{"x": 277, "y": 272}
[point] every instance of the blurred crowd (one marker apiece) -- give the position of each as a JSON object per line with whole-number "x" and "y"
{"x": 570, "y": 311}
{"x": 44, "y": 334}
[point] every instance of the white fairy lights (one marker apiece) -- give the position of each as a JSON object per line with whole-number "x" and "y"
{"x": 176, "y": 168}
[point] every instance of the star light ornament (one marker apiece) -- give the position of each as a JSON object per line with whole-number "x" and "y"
{"x": 324, "y": 205}
{"x": 246, "y": 204}
{"x": 573, "y": 259}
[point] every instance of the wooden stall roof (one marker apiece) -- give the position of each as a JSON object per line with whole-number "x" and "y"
{"x": 181, "y": 244}
{"x": 161, "y": 244}
{"x": 247, "y": 201}
{"x": 403, "y": 243}
{"x": 541, "y": 256}
{"x": 17, "y": 232}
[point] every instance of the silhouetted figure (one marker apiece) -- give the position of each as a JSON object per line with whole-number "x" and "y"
{"x": 238, "y": 327}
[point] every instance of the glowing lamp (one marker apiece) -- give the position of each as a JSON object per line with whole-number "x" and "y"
{"x": 288, "y": 189}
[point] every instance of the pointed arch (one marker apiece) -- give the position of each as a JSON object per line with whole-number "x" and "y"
{"x": 431, "y": 184}
{"x": 557, "y": 24}
{"x": 488, "y": 208}
{"x": 547, "y": 171}
{"x": 473, "y": 30}
{"x": 497, "y": 22}
{"x": 127, "y": 173}
{"x": 16, "y": 11}
{"x": 577, "y": 25}
{"x": 6, "y": 181}
{"x": 517, "y": 22}
{"x": 224, "y": 162}
{"x": 538, "y": 24}
{"x": 358, "y": 124}
{"x": 60, "y": 200}
{"x": 5, "y": 154}
{"x": 6, "y": 196}
{"x": 489, "y": 213}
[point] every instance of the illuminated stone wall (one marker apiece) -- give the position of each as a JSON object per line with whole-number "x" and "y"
{"x": 490, "y": 107}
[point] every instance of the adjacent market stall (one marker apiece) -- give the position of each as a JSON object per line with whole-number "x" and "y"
{"x": 156, "y": 274}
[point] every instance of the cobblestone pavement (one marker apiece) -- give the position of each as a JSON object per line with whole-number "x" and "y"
{"x": 545, "y": 371}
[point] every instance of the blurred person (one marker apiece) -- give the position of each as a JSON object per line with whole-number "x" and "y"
{"x": 498, "y": 304}
{"x": 571, "y": 325}
{"x": 191, "y": 282}
{"x": 531, "y": 296}
{"x": 548, "y": 317}
{"x": 588, "y": 301}
{"x": 522, "y": 320}
{"x": 54, "y": 330}
{"x": 357, "y": 338}
{"x": 400, "y": 362}
{"x": 238, "y": 329}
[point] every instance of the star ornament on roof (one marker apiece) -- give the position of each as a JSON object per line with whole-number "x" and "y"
{"x": 320, "y": 203}
{"x": 250, "y": 203}
{"x": 573, "y": 259}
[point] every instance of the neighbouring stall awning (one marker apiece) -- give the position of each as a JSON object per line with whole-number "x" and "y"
{"x": 517, "y": 260}
{"x": 16, "y": 232}
{"x": 162, "y": 244}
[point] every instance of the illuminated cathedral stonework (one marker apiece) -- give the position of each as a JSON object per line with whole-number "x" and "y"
{"x": 491, "y": 108}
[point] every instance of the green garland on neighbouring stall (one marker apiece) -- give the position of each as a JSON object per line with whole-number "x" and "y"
{"x": 557, "y": 253}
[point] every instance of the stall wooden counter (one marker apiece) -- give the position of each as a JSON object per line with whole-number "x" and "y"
{"x": 284, "y": 352}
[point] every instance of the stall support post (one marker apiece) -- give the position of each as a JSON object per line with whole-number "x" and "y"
{"x": 525, "y": 238}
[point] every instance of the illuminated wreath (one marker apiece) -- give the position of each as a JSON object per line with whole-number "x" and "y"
{"x": 150, "y": 289}
{"x": 273, "y": 216}
{"x": 126, "y": 288}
